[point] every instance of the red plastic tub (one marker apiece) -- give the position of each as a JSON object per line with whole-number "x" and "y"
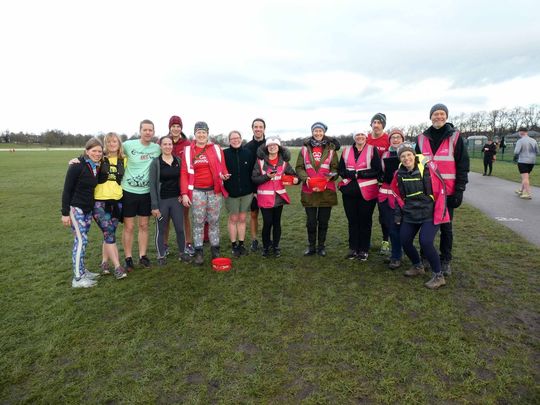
{"x": 221, "y": 264}
{"x": 287, "y": 180}
{"x": 317, "y": 183}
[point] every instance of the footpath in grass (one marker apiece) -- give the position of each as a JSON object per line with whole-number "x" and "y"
{"x": 287, "y": 330}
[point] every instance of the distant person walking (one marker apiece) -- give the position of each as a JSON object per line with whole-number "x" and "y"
{"x": 442, "y": 143}
{"x": 77, "y": 204}
{"x": 525, "y": 153}
{"x": 490, "y": 151}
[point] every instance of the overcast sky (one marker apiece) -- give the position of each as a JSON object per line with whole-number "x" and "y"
{"x": 100, "y": 66}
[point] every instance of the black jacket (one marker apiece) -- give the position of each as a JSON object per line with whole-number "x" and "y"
{"x": 79, "y": 187}
{"x": 353, "y": 189}
{"x": 415, "y": 187}
{"x": 239, "y": 163}
{"x": 461, "y": 156}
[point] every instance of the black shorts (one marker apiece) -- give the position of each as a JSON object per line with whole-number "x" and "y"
{"x": 254, "y": 205}
{"x": 525, "y": 167}
{"x": 136, "y": 205}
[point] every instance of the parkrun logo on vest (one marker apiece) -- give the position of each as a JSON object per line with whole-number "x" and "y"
{"x": 317, "y": 156}
{"x": 201, "y": 160}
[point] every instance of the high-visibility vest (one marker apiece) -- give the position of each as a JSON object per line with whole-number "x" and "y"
{"x": 385, "y": 191}
{"x": 324, "y": 169}
{"x": 368, "y": 187}
{"x": 191, "y": 171}
{"x": 266, "y": 192}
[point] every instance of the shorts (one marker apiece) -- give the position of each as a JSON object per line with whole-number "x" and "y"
{"x": 525, "y": 167}
{"x": 254, "y": 205}
{"x": 136, "y": 205}
{"x": 236, "y": 205}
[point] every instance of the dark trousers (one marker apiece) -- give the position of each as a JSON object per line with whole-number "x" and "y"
{"x": 393, "y": 229}
{"x": 447, "y": 238}
{"x": 488, "y": 163}
{"x": 317, "y": 222}
{"x": 384, "y": 226}
{"x": 359, "y": 214}
{"x": 427, "y": 236}
{"x": 271, "y": 225}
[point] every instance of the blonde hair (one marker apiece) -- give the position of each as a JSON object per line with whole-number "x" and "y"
{"x": 106, "y": 138}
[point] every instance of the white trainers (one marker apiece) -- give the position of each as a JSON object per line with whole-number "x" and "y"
{"x": 525, "y": 196}
{"x": 518, "y": 192}
{"x": 83, "y": 282}
{"x": 90, "y": 275}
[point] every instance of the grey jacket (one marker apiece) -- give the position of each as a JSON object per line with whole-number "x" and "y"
{"x": 526, "y": 149}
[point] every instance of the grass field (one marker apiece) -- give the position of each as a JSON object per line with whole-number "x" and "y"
{"x": 287, "y": 330}
{"x": 507, "y": 170}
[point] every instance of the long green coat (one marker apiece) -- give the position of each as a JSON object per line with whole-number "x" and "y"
{"x": 327, "y": 198}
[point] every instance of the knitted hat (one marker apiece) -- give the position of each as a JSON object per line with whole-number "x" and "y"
{"x": 396, "y": 131}
{"x": 273, "y": 141}
{"x": 201, "y": 125}
{"x": 175, "y": 119}
{"x": 360, "y": 132}
{"x": 379, "y": 116}
{"x": 404, "y": 147}
{"x": 438, "y": 107}
{"x": 320, "y": 125}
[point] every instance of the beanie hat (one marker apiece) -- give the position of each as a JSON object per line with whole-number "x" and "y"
{"x": 381, "y": 117}
{"x": 396, "y": 131}
{"x": 273, "y": 141}
{"x": 438, "y": 107}
{"x": 175, "y": 119}
{"x": 320, "y": 125}
{"x": 201, "y": 125}
{"x": 404, "y": 147}
{"x": 360, "y": 132}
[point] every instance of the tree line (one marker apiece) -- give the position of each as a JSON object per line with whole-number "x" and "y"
{"x": 493, "y": 124}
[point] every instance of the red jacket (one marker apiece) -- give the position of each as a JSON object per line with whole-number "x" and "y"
{"x": 178, "y": 147}
{"x": 217, "y": 167}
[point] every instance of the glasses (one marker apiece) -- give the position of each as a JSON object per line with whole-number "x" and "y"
{"x": 235, "y": 139}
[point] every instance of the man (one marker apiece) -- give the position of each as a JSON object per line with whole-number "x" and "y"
{"x": 525, "y": 153}
{"x": 442, "y": 143}
{"x": 258, "y": 127}
{"x": 136, "y": 200}
{"x": 380, "y": 140}
{"x": 180, "y": 141}
{"x": 489, "y": 150}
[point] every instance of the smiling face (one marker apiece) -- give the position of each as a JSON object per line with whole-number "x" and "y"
{"x": 176, "y": 131}
{"x": 360, "y": 139}
{"x": 201, "y": 137}
{"x": 166, "y": 146}
{"x": 407, "y": 159}
{"x": 396, "y": 140}
{"x": 95, "y": 153}
{"x": 258, "y": 130}
{"x": 273, "y": 148}
{"x": 235, "y": 140}
{"x": 147, "y": 133}
{"x": 438, "y": 118}
{"x": 377, "y": 128}
{"x": 113, "y": 144}
{"x": 318, "y": 134}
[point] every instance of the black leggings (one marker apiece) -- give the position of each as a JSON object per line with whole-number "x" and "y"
{"x": 271, "y": 223}
{"x": 488, "y": 163}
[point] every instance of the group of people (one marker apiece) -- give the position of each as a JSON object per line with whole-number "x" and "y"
{"x": 185, "y": 182}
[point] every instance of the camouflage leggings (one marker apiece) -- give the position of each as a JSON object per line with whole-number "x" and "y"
{"x": 206, "y": 206}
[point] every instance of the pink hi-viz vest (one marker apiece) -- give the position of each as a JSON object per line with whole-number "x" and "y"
{"x": 266, "y": 192}
{"x": 368, "y": 187}
{"x": 324, "y": 169}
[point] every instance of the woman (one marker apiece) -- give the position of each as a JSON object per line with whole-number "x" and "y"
{"x": 317, "y": 159}
{"x": 359, "y": 168}
{"x": 271, "y": 165}
{"x": 421, "y": 196}
{"x": 77, "y": 203}
{"x": 202, "y": 175}
{"x": 239, "y": 161}
{"x": 166, "y": 202}
{"x": 386, "y": 198}
{"x": 107, "y": 211}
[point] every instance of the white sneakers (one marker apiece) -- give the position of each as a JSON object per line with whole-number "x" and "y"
{"x": 83, "y": 282}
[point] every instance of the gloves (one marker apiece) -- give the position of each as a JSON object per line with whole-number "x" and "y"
{"x": 455, "y": 200}
{"x": 350, "y": 174}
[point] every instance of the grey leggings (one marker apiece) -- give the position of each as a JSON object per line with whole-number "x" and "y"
{"x": 170, "y": 208}
{"x": 206, "y": 206}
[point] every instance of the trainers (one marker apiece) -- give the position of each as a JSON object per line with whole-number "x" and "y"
{"x": 362, "y": 256}
{"x": 518, "y": 192}
{"x": 266, "y": 252}
{"x": 321, "y": 251}
{"x": 385, "y": 247}
{"x": 162, "y": 261}
{"x": 436, "y": 281}
{"x": 184, "y": 257}
{"x": 416, "y": 270}
{"x": 394, "y": 264}
{"x": 525, "y": 196}
{"x": 104, "y": 268}
{"x": 310, "y": 251}
{"x": 166, "y": 250}
{"x": 83, "y": 282}
{"x": 235, "y": 250}
{"x": 129, "y": 264}
{"x": 254, "y": 245}
{"x": 446, "y": 269}
{"x": 214, "y": 250}
{"x": 351, "y": 255}
{"x": 120, "y": 273}
{"x": 144, "y": 261}
{"x": 199, "y": 258}
{"x": 90, "y": 275}
{"x": 242, "y": 249}
{"x": 189, "y": 249}
{"x": 277, "y": 251}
